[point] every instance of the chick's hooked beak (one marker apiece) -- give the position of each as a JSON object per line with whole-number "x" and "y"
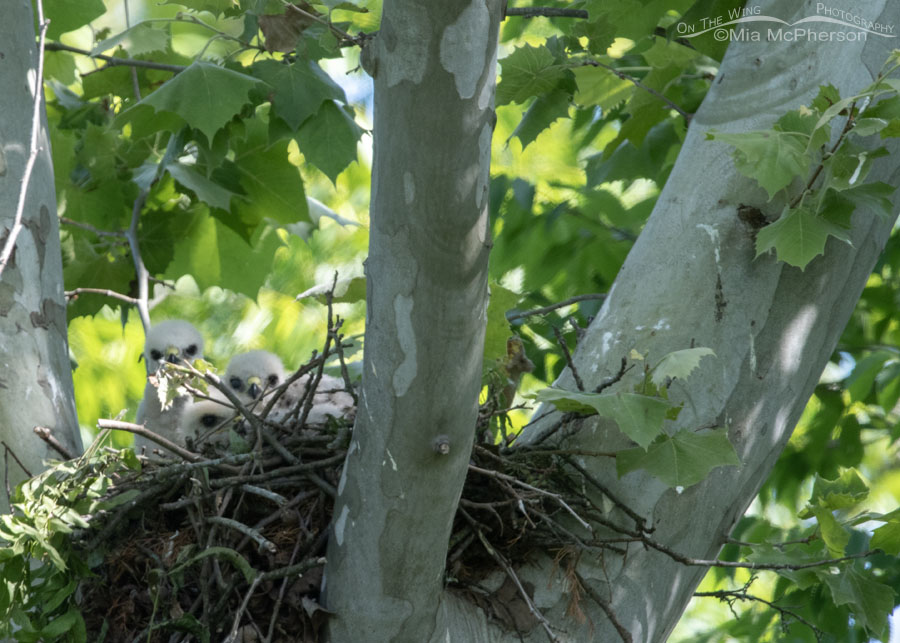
{"x": 173, "y": 354}
{"x": 253, "y": 387}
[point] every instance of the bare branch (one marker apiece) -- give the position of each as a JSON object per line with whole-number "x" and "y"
{"x": 140, "y": 429}
{"x": 73, "y": 294}
{"x": 112, "y": 61}
{"x": 47, "y": 436}
{"x": 143, "y": 298}
{"x": 631, "y": 79}
{"x": 546, "y": 12}
{"x": 552, "y": 307}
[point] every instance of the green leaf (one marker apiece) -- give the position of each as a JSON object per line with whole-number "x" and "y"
{"x": 875, "y": 195}
{"x": 862, "y": 378}
{"x": 772, "y": 158}
{"x": 601, "y": 87}
{"x": 299, "y": 88}
{"x": 541, "y": 114}
{"x": 640, "y": 417}
{"x": 798, "y": 236}
{"x": 143, "y": 38}
{"x": 887, "y": 538}
{"x": 68, "y": 15}
{"x": 529, "y": 71}
{"x": 60, "y": 625}
{"x": 679, "y": 364}
{"x": 680, "y": 460}
{"x": 833, "y": 533}
{"x": 498, "y": 330}
{"x": 206, "y": 190}
{"x": 273, "y": 186}
{"x": 869, "y": 126}
{"x": 870, "y": 601}
{"x": 215, "y": 255}
{"x": 328, "y": 139}
{"x": 205, "y": 96}
{"x": 215, "y": 7}
{"x": 843, "y": 492}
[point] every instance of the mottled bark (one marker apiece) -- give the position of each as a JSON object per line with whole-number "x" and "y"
{"x": 35, "y": 373}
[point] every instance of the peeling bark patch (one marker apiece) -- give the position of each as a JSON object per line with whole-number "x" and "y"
{"x": 339, "y": 525}
{"x": 484, "y": 159}
{"x": 464, "y": 45}
{"x": 720, "y": 299}
{"x": 406, "y": 336}
{"x": 407, "y": 41}
{"x": 40, "y": 232}
{"x": 7, "y": 298}
{"x": 409, "y": 188}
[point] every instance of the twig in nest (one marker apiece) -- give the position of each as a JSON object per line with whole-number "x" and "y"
{"x": 254, "y": 535}
{"x": 525, "y": 485}
{"x": 47, "y": 436}
{"x": 140, "y": 429}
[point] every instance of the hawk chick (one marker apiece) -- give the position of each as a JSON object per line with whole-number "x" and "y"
{"x": 252, "y": 374}
{"x": 173, "y": 341}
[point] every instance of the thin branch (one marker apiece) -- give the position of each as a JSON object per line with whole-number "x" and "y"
{"x": 525, "y": 485}
{"x": 140, "y": 429}
{"x": 631, "y": 79}
{"x": 112, "y": 61}
{"x": 565, "y": 349}
{"x": 140, "y": 270}
{"x": 624, "y": 634}
{"x": 90, "y": 228}
{"x": 311, "y": 16}
{"x": 731, "y": 595}
{"x": 32, "y": 145}
{"x": 546, "y": 12}
{"x": 552, "y": 307}
{"x": 73, "y": 294}
{"x": 47, "y": 436}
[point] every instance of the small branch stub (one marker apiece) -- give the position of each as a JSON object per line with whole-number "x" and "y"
{"x": 441, "y": 444}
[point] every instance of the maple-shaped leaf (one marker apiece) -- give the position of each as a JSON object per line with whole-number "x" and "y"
{"x": 68, "y": 15}
{"x": 205, "y": 96}
{"x": 870, "y": 601}
{"x": 640, "y": 417}
{"x": 679, "y": 364}
{"x": 680, "y": 460}
{"x": 772, "y": 158}
{"x": 529, "y": 71}
{"x": 798, "y": 236}
{"x": 328, "y": 139}
{"x": 541, "y": 115}
{"x": 299, "y": 88}
{"x": 142, "y": 38}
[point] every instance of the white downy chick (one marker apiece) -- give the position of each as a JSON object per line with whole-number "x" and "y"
{"x": 254, "y": 374}
{"x": 330, "y": 400}
{"x": 208, "y": 421}
{"x": 173, "y": 341}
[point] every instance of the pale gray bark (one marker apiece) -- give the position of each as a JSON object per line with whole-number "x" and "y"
{"x": 435, "y": 73}
{"x": 691, "y": 279}
{"x": 35, "y": 374}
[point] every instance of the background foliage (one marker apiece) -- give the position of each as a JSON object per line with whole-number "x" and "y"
{"x": 271, "y": 108}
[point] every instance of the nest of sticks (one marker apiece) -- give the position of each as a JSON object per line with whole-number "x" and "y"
{"x": 230, "y": 546}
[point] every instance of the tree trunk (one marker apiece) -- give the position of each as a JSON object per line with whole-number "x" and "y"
{"x": 691, "y": 279}
{"x": 434, "y": 66}
{"x": 35, "y": 373}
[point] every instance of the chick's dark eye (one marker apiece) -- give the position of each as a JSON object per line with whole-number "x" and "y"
{"x": 209, "y": 420}
{"x": 191, "y": 350}
{"x": 156, "y": 355}
{"x": 273, "y": 380}
{"x": 236, "y": 383}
